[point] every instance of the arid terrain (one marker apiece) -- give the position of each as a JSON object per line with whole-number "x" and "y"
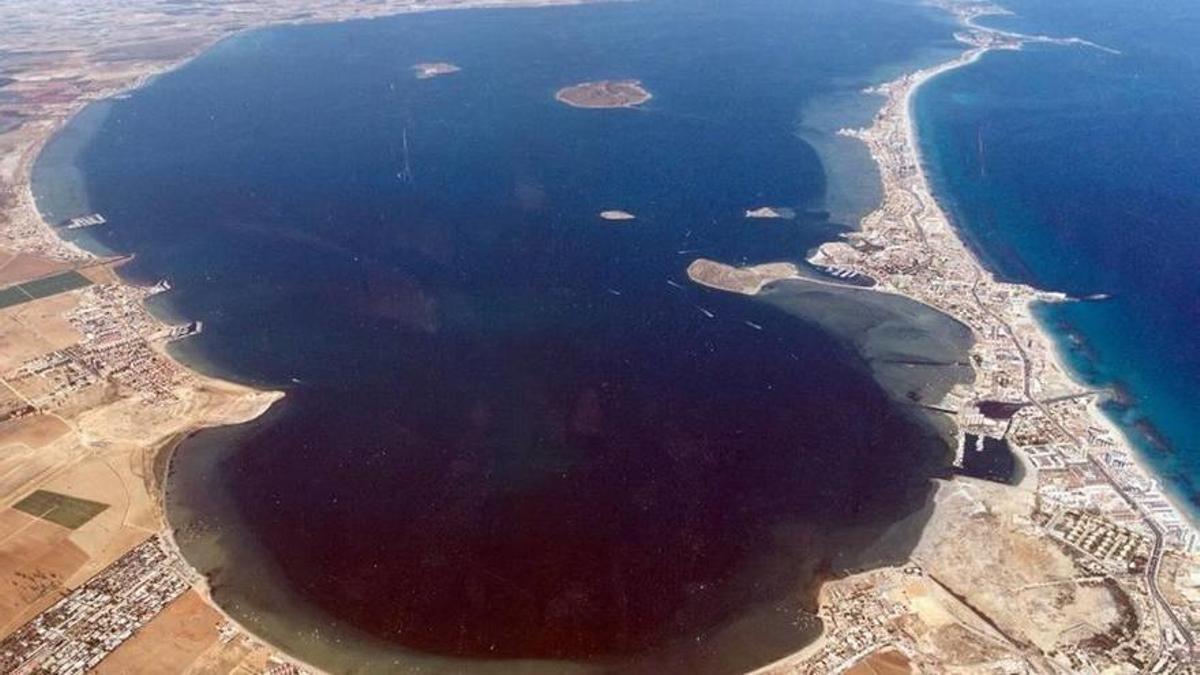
{"x": 604, "y": 94}
{"x": 1083, "y": 567}
{"x": 90, "y": 399}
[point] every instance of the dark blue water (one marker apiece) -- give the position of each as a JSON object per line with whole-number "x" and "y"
{"x": 1087, "y": 184}
{"x": 506, "y": 435}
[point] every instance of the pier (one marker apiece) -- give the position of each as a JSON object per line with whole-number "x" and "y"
{"x": 80, "y": 222}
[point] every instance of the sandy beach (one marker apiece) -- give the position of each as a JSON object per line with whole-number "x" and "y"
{"x": 909, "y": 246}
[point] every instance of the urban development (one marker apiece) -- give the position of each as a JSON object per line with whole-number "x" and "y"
{"x": 1085, "y": 566}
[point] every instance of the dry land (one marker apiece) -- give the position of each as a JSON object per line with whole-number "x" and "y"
{"x": 604, "y": 94}
{"x": 771, "y": 212}
{"x": 1085, "y": 567}
{"x": 88, "y": 395}
{"x": 744, "y": 280}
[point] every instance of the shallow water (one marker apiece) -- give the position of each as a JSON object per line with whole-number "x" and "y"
{"x": 1073, "y": 169}
{"x": 508, "y": 442}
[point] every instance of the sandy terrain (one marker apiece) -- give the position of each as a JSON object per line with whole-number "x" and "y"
{"x": 882, "y": 662}
{"x": 744, "y": 280}
{"x": 15, "y": 268}
{"x": 33, "y": 432}
{"x": 35, "y": 328}
{"x": 977, "y": 548}
{"x": 36, "y": 560}
{"x": 173, "y": 641}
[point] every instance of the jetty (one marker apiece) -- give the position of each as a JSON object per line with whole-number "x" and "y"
{"x": 80, "y": 222}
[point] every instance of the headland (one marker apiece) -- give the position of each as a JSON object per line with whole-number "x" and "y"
{"x": 745, "y": 280}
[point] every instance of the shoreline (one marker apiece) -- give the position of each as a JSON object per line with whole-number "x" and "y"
{"x": 26, "y": 230}
{"x": 911, "y": 246}
{"x": 1077, "y": 458}
{"x": 911, "y": 83}
{"x": 1006, "y": 310}
{"x": 1045, "y": 332}
{"x": 570, "y": 95}
{"x": 200, "y": 582}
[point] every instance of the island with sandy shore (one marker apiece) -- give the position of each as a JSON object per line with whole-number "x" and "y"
{"x": 745, "y": 280}
{"x": 604, "y": 94}
{"x": 425, "y": 71}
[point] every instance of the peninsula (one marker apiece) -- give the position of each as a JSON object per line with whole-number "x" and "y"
{"x": 745, "y": 280}
{"x": 604, "y": 94}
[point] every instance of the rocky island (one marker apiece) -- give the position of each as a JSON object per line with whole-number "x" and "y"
{"x": 425, "y": 71}
{"x": 617, "y": 215}
{"x": 771, "y": 212}
{"x": 604, "y": 94}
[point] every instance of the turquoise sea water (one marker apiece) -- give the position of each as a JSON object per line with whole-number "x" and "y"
{"x": 1076, "y": 170}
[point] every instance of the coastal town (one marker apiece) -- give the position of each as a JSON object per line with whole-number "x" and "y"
{"x": 91, "y": 401}
{"x": 1086, "y": 566}
{"x": 77, "y": 632}
{"x": 1085, "y": 492}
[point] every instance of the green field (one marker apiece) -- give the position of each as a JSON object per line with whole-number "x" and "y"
{"x": 60, "y": 509}
{"x": 42, "y": 288}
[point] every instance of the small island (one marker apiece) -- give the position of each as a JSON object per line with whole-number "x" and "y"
{"x": 604, "y": 94}
{"x": 745, "y": 280}
{"x": 617, "y": 215}
{"x": 424, "y": 71}
{"x": 771, "y": 212}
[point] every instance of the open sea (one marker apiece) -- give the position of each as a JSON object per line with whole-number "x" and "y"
{"x": 1074, "y": 169}
{"x": 515, "y": 437}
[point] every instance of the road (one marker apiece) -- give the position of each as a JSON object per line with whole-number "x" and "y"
{"x": 1155, "y": 562}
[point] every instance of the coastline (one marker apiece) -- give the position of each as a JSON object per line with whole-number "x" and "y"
{"x": 1044, "y": 332}
{"x": 1077, "y": 459}
{"x": 598, "y": 95}
{"x": 1101, "y": 442}
{"x": 910, "y": 85}
{"x": 209, "y": 401}
{"x": 914, "y": 145}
